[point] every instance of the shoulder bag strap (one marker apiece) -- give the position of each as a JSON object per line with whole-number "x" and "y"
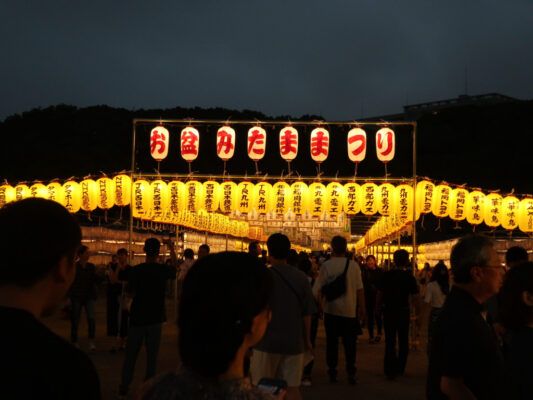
{"x": 289, "y": 286}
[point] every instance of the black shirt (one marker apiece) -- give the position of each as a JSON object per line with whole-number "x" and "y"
{"x": 37, "y": 364}
{"x": 147, "y": 283}
{"x": 397, "y": 285}
{"x": 464, "y": 346}
{"x": 84, "y": 285}
{"x": 519, "y": 362}
{"x": 371, "y": 281}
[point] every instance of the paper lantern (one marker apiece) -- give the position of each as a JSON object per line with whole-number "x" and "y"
{"x": 493, "y": 210}
{"x": 7, "y": 194}
{"x": 424, "y": 196}
{"x": 475, "y": 207}
{"x": 385, "y": 144}
{"x": 403, "y": 203}
{"x": 386, "y": 199}
{"x": 369, "y": 198}
{"x": 352, "y": 198}
{"x": 160, "y": 198}
{"x": 89, "y": 195}
{"x": 193, "y": 196}
{"x": 299, "y": 198}
{"x": 225, "y": 142}
{"x": 510, "y": 206}
{"x": 177, "y": 198}
{"x": 142, "y": 201}
{"x": 245, "y": 197}
{"x": 281, "y": 195}
{"x": 71, "y": 196}
{"x": 262, "y": 201}
{"x": 317, "y": 199}
{"x": 525, "y": 215}
{"x": 159, "y": 142}
{"x": 319, "y": 144}
{"x": 122, "y": 184}
{"x": 256, "y": 143}
{"x": 211, "y": 196}
{"x": 105, "y": 193}
{"x": 54, "y": 192}
{"x": 189, "y": 143}
{"x": 38, "y": 190}
{"x": 334, "y": 198}
{"x": 22, "y": 192}
{"x": 288, "y": 143}
{"x": 441, "y": 201}
{"x": 228, "y": 197}
{"x": 458, "y": 204}
{"x": 356, "y": 145}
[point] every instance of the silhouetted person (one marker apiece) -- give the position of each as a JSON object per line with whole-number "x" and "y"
{"x": 254, "y": 248}
{"x": 203, "y": 251}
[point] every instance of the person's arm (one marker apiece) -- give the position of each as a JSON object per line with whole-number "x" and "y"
{"x": 415, "y": 302}
{"x": 361, "y": 305}
{"x": 307, "y": 333}
{"x": 455, "y": 389}
{"x": 379, "y": 300}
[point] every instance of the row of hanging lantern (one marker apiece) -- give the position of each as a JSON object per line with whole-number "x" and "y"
{"x": 288, "y": 143}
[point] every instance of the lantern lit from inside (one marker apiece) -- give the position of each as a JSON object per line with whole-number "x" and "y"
{"x": 211, "y": 196}
{"x": 193, "y": 196}
{"x": 141, "y": 202}
{"x": 159, "y": 142}
{"x": 352, "y": 198}
{"x": 525, "y": 215}
{"x": 403, "y": 203}
{"x": 317, "y": 199}
{"x": 105, "y": 193}
{"x": 356, "y": 145}
{"x": 122, "y": 183}
{"x": 385, "y": 144}
{"x": 71, "y": 196}
{"x": 441, "y": 201}
{"x": 475, "y": 207}
{"x": 281, "y": 195}
{"x": 319, "y": 145}
{"x": 89, "y": 195}
{"x": 256, "y": 143}
{"x": 177, "y": 200}
{"x": 334, "y": 198}
{"x": 424, "y": 196}
{"x": 369, "y": 198}
{"x": 458, "y": 204}
{"x": 7, "y": 194}
{"x": 245, "y": 197}
{"x": 160, "y": 199}
{"x": 228, "y": 197}
{"x": 288, "y": 143}
{"x": 510, "y": 212}
{"x": 493, "y": 210}
{"x": 263, "y": 197}
{"x": 38, "y": 190}
{"x": 54, "y": 192}
{"x": 386, "y": 199}
{"x": 189, "y": 143}
{"x": 22, "y": 192}
{"x": 299, "y": 198}
{"x": 225, "y": 142}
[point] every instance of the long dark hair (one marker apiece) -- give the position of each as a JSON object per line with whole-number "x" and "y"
{"x": 514, "y": 312}
{"x": 440, "y": 274}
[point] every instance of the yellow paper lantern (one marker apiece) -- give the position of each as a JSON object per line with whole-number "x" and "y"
{"x": 369, "y": 198}
{"x": 160, "y": 198}
{"x": 403, "y": 203}
{"x": 71, "y": 196}
{"x": 38, "y": 190}
{"x": 106, "y": 193}
{"x": 525, "y": 215}
{"x": 22, "y": 192}
{"x": 317, "y": 199}
{"x": 263, "y": 197}
{"x": 193, "y": 196}
{"x": 441, "y": 201}
{"x": 334, "y": 198}
{"x": 386, "y": 199}
{"x": 493, "y": 210}
{"x": 211, "y": 196}
{"x": 228, "y": 197}
{"x": 458, "y": 204}
{"x": 510, "y": 205}
{"x": 245, "y": 197}
{"x": 352, "y": 198}
{"x": 7, "y": 194}
{"x": 281, "y": 194}
{"x": 475, "y": 207}
{"x": 424, "y": 196}
{"x": 141, "y": 199}
{"x": 89, "y": 195}
{"x": 299, "y": 198}
{"x": 122, "y": 190}
{"x": 176, "y": 190}
{"x": 54, "y": 192}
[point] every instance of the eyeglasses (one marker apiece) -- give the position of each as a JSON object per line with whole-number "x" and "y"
{"x": 495, "y": 266}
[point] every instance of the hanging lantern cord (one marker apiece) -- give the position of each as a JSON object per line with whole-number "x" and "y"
{"x": 438, "y": 227}
{"x": 190, "y": 168}
{"x": 105, "y": 216}
{"x": 289, "y": 167}
{"x": 457, "y": 225}
{"x": 120, "y": 216}
{"x": 386, "y": 174}
{"x": 422, "y": 222}
{"x": 257, "y": 172}
{"x": 355, "y": 171}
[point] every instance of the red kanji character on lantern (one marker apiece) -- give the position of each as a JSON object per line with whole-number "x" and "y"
{"x": 225, "y": 142}
{"x": 256, "y": 143}
{"x": 288, "y": 143}
{"x": 190, "y": 143}
{"x": 159, "y": 143}
{"x": 385, "y": 144}
{"x": 357, "y": 145}
{"x": 319, "y": 144}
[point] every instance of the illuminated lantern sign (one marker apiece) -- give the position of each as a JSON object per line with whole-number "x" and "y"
{"x": 38, "y": 190}
{"x": 441, "y": 202}
{"x": 211, "y": 196}
{"x": 424, "y": 196}
{"x": 525, "y": 215}
{"x": 404, "y": 203}
{"x": 159, "y": 141}
{"x": 225, "y": 142}
{"x": 141, "y": 199}
{"x": 105, "y": 193}
{"x": 245, "y": 197}
{"x": 493, "y": 210}
{"x": 189, "y": 143}
{"x": 160, "y": 199}
{"x": 228, "y": 197}
{"x": 71, "y": 196}
{"x": 176, "y": 191}
{"x": 317, "y": 199}
{"x": 385, "y": 144}
{"x": 369, "y": 201}
{"x": 352, "y": 202}
{"x": 89, "y": 195}
{"x": 475, "y": 207}
{"x": 319, "y": 144}
{"x": 356, "y": 145}
{"x": 288, "y": 143}
{"x": 122, "y": 184}
{"x": 193, "y": 192}
{"x": 334, "y": 198}
{"x": 458, "y": 204}
{"x": 299, "y": 197}
{"x": 510, "y": 212}
{"x": 385, "y": 199}
{"x": 281, "y": 193}
{"x": 263, "y": 197}
{"x": 22, "y": 192}
{"x": 7, "y": 194}
{"x": 256, "y": 143}
{"x": 54, "y": 192}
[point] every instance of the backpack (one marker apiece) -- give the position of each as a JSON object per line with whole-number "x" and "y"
{"x": 337, "y": 287}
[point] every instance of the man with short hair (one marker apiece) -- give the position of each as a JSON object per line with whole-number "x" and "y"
{"x": 146, "y": 285}
{"x": 254, "y": 248}
{"x": 280, "y": 354}
{"x": 340, "y": 314}
{"x": 465, "y": 360}
{"x": 203, "y": 250}
{"x": 38, "y": 243}
{"x": 515, "y": 255}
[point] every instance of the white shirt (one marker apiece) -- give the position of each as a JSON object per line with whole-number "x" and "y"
{"x": 345, "y": 305}
{"x": 434, "y": 295}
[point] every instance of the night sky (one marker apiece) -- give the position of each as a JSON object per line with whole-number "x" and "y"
{"x": 340, "y": 59}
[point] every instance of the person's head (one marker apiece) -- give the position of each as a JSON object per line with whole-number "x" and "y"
{"x": 475, "y": 261}
{"x": 152, "y": 247}
{"x": 38, "y": 242}
{"x": 516, "y": 297}
{"x": 306, "y": 266}
{"x": 114, "y": 259}
{"x": 83, "y": 254}
{"x": 254, "y": 248}
{"x": 338, "y": 245}
{"x": 371, "y": 261}
{"x": 427, "y": 267}
{"x": 203, "y": 250}
{"x": 441, "y": 276}
{"x": 188, "y": 254}
{"x": 122, "y": 255}
{"x": 278, "y": 246}
{"x": 292, "y": 259}
{"x": 515, "y": 255}
{"x": 224, "y": 305}
{"x": 401, "y": 258}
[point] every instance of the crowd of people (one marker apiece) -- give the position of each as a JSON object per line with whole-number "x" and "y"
{"x": 257, "y": 340}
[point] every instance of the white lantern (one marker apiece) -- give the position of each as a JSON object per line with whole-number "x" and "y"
{"x": 356, "y": 145}
{"x": 225, "y": 142}
{"x": 288, "y": 143}
{"x": 319, "y": 144}
{"x": 385, "y": 144}
{"x": 189, "y": 143}
{"x": 159, "y": 141}
{"x": 256, "y": 143}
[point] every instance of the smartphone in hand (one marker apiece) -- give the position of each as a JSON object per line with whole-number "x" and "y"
{"x": 270, "y": 385}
